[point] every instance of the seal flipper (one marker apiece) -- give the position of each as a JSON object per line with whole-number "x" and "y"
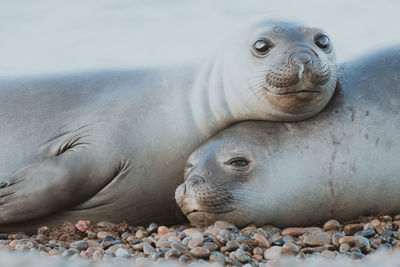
{"x": 56, "y": 184}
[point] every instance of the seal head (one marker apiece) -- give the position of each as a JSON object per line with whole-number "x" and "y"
{"x": 289, "y": 68}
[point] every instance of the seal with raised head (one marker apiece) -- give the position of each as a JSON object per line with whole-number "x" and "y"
{"x": 112, "y": 145}
{"x": 339, "y": 164}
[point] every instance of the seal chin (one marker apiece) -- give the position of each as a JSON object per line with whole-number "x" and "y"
{"x": 201, "y": 218}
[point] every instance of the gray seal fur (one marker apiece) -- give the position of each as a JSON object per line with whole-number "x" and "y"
{"x": 112, "y": 145}
{"x": 339, "y": 164}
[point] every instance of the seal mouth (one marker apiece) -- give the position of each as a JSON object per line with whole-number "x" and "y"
{"x": 306, "y": 92}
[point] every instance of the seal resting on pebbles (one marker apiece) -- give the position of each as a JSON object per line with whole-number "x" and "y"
{"x": 340, "y": 164}
{"x": 112, "y": 145}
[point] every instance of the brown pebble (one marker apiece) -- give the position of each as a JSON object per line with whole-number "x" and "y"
{"x": 290, "y": 248}
{"x": 261, "y": 240}
{"x": 172, "y": 254}
{"x": 347, "y": 240}
{"x": 293, "y": 231}
{"x": 162, "y": 230}
{"x": 82, "y": 226}
{"x": 200, "y": 252}
{"x": 102, "y": 234}
{"x": 313, "y": 230}
{"x": 93, "y": 243}
{"x": 368, "y": 226}
{"x": 211, "y": 246}
{"x": 351, "y": 229}
{"x": 190, "y": 231}
{"x": 375, "y": 222}
{"x": 258, "y": 258}
{"x": 273, "y": 253}
{"x": 386, "y": 218}
{"x": 258, "y": 251}
{"x": 140, "y": 234}
{"x": 195, "y": 242}
{"x": 331, "y": 225}
{"x": 174, "y": 238}
{"x": 317, "y": 239}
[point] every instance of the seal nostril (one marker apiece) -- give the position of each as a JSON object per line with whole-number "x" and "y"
{"x": 194, "y": 180}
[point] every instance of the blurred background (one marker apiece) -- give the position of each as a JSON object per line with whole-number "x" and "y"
{"x": 50, "y": 36}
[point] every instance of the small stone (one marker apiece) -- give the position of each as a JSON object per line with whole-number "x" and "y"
{"x": 368, "y": 226}
{"x": 344, "y": 248}
{"x": 217, "y": 257}
{"x": 273, "y": 253}
{"x": 258, "y": 258}
{"x": 122, "y": 252}
{"x": 44, "y": 230}
{"x": 190, "y": 231}
{"x": 82, "y": 226}
{"x": 148, "y": 249}
{"x": 232, "y": 245}
{"x": 79, "y": 245}
{"x": 386, "y": 218}
{"x": 182, "y": 249}
{"x": 241, "y": 256}
{"x": 261, "y": 240}
{"x": 331, "y": 225}
{"x": 317, "y": 239}
{"x": 67, "y": 253}
{"x": 376, "y": 241}
{"x": 278, "y": 242}
{"x": 162, "y": 230}
{"x": 105, "y": 224}
{"x": 3, "y": 236}
{"x": 211, "y": 246}
{"x": 366, "y": 233}
{"x": 200, "y": 252}
{"x": 102, "y": 234}
{"x": 347, "y": 240}
{"x": 290, "y": 248}
{"x": 91, "y": 235}
{"x": 173, "y": 254}
{"x": 351, "y": 229}
{"x": 140, "y": 234}
{"x": 385, "y": 246}
{"x": 362, "y": 243}
{"x": 152, "y": 228}
{"x": 195, "y": 242}
{"x": 293, "y": 231}
{"x": 313, "y": 230}
{"x": 335, "y": 238}
{"x": 163, "y": 244}
{"x": 139, "y": 246}
{"x": 375, "y": 222}
{"x": 93, "y": 243}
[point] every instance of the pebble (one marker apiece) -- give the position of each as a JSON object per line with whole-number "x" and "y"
{"x": 200, "y": 252}
{"x": 122, "y": 252}
{"x": 351, "y": 229}
{"x": 261, "y": 240}
{"x": 331, "y": 225}
{"x": 317, "y": 239}
{"x": 293, "y": 231}
{"x": 221, "y": 242}
{"x": 273, "y": 253}
{"x": 79, "y": 245}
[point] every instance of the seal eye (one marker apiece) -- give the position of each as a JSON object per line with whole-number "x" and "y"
{"x": 261, "y": 47}
{"x": 322, "y": 41}
{"x": 188, "y": 166}
{"x": 238, "y": 162}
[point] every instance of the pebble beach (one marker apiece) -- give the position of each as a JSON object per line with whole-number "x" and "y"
{"x": 361, "y": 242}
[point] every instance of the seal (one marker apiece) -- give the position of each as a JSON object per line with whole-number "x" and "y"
{"x": 112, "y": 145}
{"x": 339, "y": 164}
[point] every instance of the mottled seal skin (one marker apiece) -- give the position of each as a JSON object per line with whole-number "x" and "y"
{"x": 112, "y": 145}
{"x": 339, "y": 164}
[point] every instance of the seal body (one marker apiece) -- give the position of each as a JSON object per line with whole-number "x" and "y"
{"x": 112, "y": 145}
{"x": 339, "y": 164}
